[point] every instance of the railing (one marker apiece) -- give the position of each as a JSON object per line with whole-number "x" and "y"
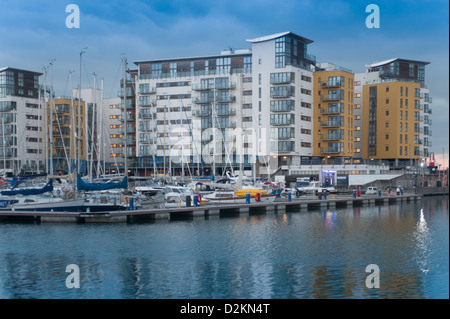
{"x": 331, "y": 137}
{"x": 147, "y": 103}
{"x": 226, "y": 112}
{"x": 332, "y": 110}
{"x": 329, "y": 85}
{"x": 151, "y": 90}
{"x": 281, "y": 94}
{"x": 331, "y": 150}
{"x": 225, "y": 86}
{"x": 227, "y": 98}
{"x": 201, "y": 113}
{"x": 147, "y": 115}
{"x": 333, "y": 97}
{"x": 203, "y": 99}
{"x": 195, "y": 73}
{"x": 202, "y": 87}
{"x": 332, "y": 124}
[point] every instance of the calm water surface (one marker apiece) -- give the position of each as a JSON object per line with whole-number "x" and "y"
{"x": 308, "y": 254}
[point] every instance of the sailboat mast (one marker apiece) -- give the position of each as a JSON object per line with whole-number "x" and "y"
{"x": 92, "y": 129}
{"x": 3, "y": 143}
{"x": 79, "y": 122}
{"x": 46, "y": 117}
{"x": 51, "y": 118}
{"x": 100, "y": 132}
{"x": 72, "y": 130}
{"x": 125, "y": 115}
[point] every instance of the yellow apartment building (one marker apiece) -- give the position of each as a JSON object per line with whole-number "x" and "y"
{"x": 68, "y": 133}
{"x": 333, "y": 113}
{"x": 391, "y": 121}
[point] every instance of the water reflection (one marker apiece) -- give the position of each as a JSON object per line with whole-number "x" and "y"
{"x": 320, "y": 254}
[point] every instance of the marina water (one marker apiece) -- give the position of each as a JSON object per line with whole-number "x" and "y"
{"x": 287, "y": 255}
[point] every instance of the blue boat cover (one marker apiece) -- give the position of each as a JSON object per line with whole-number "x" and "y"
{"x": 85, "y": 186}
{"x": 30, "y": 191}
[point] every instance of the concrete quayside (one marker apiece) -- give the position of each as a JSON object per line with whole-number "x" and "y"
{"x": 280, "y": 205}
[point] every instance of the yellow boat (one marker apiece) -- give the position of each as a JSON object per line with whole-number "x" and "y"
{"x": 252, "y": 191}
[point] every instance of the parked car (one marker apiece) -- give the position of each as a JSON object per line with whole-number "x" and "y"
{"x": 371, "y": 190}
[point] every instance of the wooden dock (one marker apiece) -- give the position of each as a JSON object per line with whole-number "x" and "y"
{"x": 205, "y": 211}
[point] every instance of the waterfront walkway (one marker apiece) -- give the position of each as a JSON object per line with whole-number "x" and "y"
{"x": 280, "y": 205}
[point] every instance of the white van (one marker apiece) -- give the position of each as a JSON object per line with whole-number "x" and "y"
{"x": 371, "y": 190}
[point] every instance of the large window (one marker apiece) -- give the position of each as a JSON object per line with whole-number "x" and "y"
{"x": 223, "y": 65}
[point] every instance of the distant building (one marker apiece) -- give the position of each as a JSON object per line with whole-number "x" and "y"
{"x": 21, "y": 122}
{"x": 67, "y": 138}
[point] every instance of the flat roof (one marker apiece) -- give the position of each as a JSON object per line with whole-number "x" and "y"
{"x": 276, "y": 36}
{"x": 374, "y": 65}
{"x": 240, "y": 53}
{"x": 21, "y": 70}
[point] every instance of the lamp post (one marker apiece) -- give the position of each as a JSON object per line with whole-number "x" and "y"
{"x": 422, "y": 183}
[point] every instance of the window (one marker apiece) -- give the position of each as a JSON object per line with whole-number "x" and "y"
{"x": 223, "y": 65}
{"x": 387, "y": 88}
{"x": 387, "y": 101}
{"x": 387, "y": 148}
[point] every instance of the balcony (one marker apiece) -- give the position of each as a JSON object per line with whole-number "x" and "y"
{"x": 331, "y": 150}
{"x": 332, "y": 137}
{"x": 225, "y": 86}
{"x": 147, "y": 115}
{"x": 202, "y": 87}
{"x": 148, "y": 140}
{"x": 280, "y": 93}
{"x": 225, "y": 98}
{"x": 147, "y": 128}
{"x": 147, "y": 103}
{"x": 130, "y": 130}
{"x": 203, "y": 100}
{"x": 200, "y": 113}
{"x": 332, "y": 110}
{"x": 146, "y": 90}
{"x": 331, "y": 97}
{"x": 330, "y": 85}
{"x": 130, "y": 94}
{"x": 130, "y": 118}
{"x": 227, "y": 125}
{"x": 225, "y": 112}
{"x": 285, "y": 78}
{"x": 332, "y": 124}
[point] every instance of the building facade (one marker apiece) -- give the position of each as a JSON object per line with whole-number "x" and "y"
{"x": 21, "y": 122}
{"x": 394, "y": 121}
{"x": 66, "y": 136}
{"x": 333, "y": 112}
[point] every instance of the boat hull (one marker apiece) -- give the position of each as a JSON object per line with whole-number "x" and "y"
{"x": 77, "y": 205}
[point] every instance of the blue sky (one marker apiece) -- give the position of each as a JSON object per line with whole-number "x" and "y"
{"x": 33, "y": 32}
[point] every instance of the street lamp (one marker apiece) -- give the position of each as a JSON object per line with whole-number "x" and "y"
{"x": 421, "y": 183}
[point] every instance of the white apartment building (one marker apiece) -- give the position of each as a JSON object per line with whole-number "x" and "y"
{"x": 21, "y": 122}
{"x": 256, "y": 104}
{"x": 282, "y": 99}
